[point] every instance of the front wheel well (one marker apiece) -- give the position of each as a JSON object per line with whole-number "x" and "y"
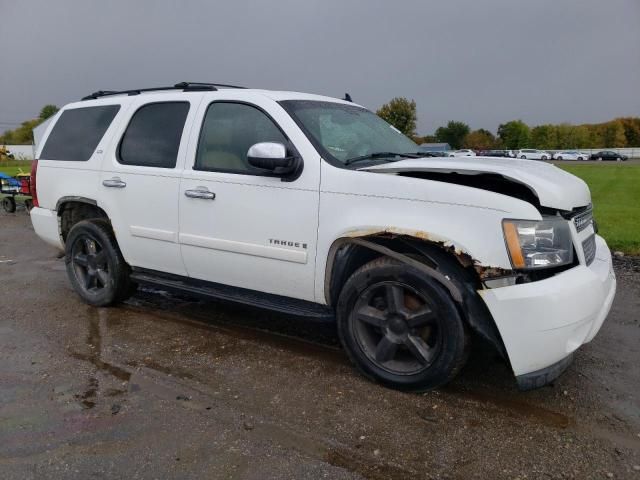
{"x": 73, "y": 211}
{"x": 346, "y": 257}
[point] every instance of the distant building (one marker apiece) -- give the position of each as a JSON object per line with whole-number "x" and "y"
{"x": 20, "y": 152}
{"x": 435, "y": 147}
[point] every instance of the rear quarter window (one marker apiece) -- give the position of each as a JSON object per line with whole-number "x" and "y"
{"x": 78, "y": 132}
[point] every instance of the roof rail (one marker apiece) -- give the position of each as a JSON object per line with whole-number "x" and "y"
{"x": 184, "y": 86}
{"x": 205, "y": 84}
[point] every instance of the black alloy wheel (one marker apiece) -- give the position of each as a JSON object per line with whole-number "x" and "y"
{"x": 400, "y": 327}
{"x": 95, "y": 267}
{"x": 397, "y": 328}
{"x": 89, "y": 262}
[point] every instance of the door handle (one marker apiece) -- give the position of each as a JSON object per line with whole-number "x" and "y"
{"x": 200, "y": 192}
{"x": 114, "y": 182}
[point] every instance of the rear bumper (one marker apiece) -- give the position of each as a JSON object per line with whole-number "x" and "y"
{"x": 542, "y": 323}
{"x": 45, "y": 223}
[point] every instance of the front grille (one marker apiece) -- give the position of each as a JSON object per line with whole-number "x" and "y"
{"x": 589, "y": 249}
{"x": 583, "y": 218}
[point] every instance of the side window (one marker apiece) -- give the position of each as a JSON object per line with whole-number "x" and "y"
{"x": 228, "y": 131}
{"x": 78, "y": 132}
{"x": 152, "y": 138}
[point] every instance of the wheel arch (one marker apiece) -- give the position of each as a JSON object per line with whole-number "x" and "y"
{"x": 73, "y": 209}
{"x": 447, "y": 263}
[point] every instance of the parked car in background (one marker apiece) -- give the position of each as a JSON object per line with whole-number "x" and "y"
{"x": 437, "y": 154}
{"x": 608, "y": 155}
{"x": 493, "y": 153}
{"x": 570, "y": 155}
{"x": 532, "y": 154}
{"x": 465, "y": 152}
{"x": 426, "y": 152}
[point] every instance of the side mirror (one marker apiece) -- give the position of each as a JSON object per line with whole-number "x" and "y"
{"x": 271, "y": 156}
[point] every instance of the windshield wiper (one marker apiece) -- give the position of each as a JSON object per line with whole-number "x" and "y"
{"x": 372, "y": 156}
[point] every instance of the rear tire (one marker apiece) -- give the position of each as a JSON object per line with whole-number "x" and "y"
{"x": 558, "y": 158}
{"x": 401, "y": 328}
{"x": 544, "y": 157}
{"x": 95, "y": 267}
{"x": 9, "y": 204}
{"x": 523, "y": 157}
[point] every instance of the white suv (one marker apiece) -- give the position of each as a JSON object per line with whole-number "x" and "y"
{"x": 531, "y": 154}
{"x": 315, "y": 206}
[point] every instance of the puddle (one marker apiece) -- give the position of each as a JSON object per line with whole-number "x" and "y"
{"x": 366, "y": 467}
{"x": 148, "y": 363}
{"x": 93, "y": 343}
{"x": 205, "y": 315}
{"x": 87, "y": 398}
{"x": 513, "y": 407}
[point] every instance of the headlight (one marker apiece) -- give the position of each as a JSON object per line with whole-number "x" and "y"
{"x": 542, "y": 244}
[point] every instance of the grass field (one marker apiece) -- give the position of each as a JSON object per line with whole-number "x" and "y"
{"x": 615, "y": 189}
{"x": 14, "y": 167}
{"x": 615, "y": 192}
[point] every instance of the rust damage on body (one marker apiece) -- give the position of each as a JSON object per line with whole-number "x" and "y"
{"x": 484, "y": 272}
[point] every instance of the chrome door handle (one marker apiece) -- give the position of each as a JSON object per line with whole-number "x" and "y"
{"x": 200, "y": 192}
{"x": 114, "y": 182}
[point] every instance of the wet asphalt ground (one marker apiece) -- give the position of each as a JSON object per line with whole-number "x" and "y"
{"x": 168, "y": 387}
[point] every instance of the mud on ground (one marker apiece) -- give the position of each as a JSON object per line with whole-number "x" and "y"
{"x": 168, "y": 387}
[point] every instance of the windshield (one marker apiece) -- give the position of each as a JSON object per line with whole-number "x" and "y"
{"x": 343, "y": 132}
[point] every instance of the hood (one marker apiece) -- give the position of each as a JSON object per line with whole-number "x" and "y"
{"x": 553, "y": 187}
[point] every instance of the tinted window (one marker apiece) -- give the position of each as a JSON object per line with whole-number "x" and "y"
{"x": 153, "y": 136}
{"x": 77, "y": 133}
{"x": 228, "y": 131}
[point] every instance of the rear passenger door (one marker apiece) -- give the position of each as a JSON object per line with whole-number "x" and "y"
{"x": 140, "y": 180}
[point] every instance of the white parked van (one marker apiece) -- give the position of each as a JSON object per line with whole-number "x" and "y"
{"x": 532, "y": 154}
{"x": 315, "y": 206}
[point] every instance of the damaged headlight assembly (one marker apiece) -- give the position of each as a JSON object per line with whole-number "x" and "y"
{"x": 538, "y": 244}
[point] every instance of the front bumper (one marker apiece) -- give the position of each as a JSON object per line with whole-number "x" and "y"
{"x": 544, "y": 322}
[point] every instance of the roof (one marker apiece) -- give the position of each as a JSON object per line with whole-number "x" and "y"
{"x": 190, "y": 88}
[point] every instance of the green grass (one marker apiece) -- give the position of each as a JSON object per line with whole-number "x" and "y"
{"x": 615, "y": 192}
{"x": 14, "y": 167}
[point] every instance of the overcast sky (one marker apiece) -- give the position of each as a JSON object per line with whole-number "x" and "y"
{"x": 480, "y": 61}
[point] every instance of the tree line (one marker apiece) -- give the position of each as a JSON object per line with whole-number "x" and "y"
{"x": 618, "y": 133}
{"x": 402, "y": 114}
{"x": 23, "y": 135}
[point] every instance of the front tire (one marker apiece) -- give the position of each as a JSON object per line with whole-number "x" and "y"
{"x": 544, "y": 157}
{"x": 95, "y": 267}
{"x": 523, "y": 157}
{"x": 401, "y": 328}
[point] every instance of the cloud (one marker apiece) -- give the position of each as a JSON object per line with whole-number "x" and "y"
{"x": 481, "y": 62}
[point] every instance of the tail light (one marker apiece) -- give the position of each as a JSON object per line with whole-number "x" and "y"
{"x": 34, "y": 190}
